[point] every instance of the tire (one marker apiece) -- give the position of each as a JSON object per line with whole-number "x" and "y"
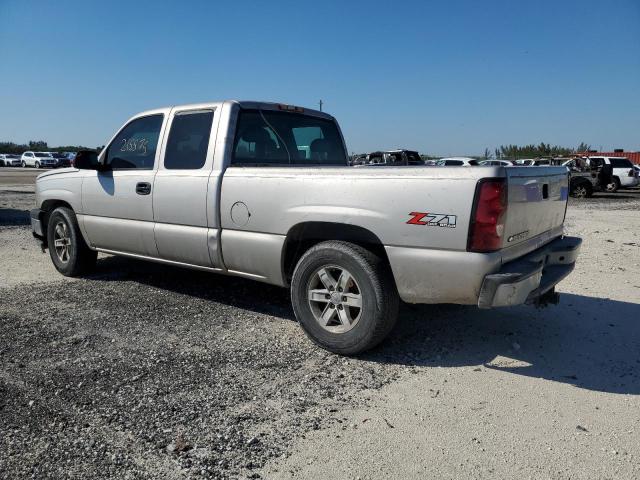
{"x": 79, "y": 258}
{"x": 582, "y": 190}
{"x": 354, "y": 273}
{"x": 23, "y": 164}
{"x": 37, "y": 165}
{"x": 614, "y": 186}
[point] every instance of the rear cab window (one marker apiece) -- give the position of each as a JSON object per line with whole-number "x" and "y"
{"x": 267, "y": 137}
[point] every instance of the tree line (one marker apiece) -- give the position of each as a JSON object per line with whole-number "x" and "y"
{"x": 514, "y": 152}
{"x": 40, "y": 146}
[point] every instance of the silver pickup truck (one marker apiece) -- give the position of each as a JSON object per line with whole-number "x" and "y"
{"x": 263, "y": 191}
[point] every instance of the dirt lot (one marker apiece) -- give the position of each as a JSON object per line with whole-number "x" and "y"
{"x": 146, "y": 371}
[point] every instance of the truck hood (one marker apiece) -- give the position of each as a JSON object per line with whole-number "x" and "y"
{"x": 59, "y": 171}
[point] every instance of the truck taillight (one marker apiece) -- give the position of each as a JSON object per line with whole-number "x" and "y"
{"x": 487, "y": 222}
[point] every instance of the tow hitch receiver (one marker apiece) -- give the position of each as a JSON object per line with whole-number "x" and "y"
{"x": 550, "y": 297}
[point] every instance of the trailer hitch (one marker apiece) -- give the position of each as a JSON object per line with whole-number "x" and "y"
{"x": 550, "y": 297}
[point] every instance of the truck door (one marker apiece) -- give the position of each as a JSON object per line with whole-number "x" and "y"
{"x": 180, "y": 203}
{"x": 117, "y": 209}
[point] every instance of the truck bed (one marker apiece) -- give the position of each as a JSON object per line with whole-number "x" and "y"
{"x": 429, "y": 257}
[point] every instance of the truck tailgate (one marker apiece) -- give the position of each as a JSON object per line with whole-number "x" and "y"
{"x": 537, "y": 199}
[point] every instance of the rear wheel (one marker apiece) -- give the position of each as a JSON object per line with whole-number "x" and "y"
{"x": 37, "y": 165}
{"x": 70, "y": 254}
{"x": 23, "y": 164}
{"x": 344, "y": 297}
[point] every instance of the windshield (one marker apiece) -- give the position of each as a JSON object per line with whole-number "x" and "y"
{"x": 270, "y": 137}
{"x": 43, "y": 155}
{"x": 58, "y": 155}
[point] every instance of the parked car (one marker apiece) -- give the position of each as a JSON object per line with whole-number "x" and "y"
{"x": 583, "y": 180}
{"x": 228, "y": 188}
{"x": 457, "y": 162}
{"x": 389, "y": 158}
{"x": 9, "y": 160}
{"x": 404, "y": 157}
{"x": 38, "y": 160}
{"x": 524, "y": 162}
{"x": 624, "y": 175}
{"x": 542, "y": 162}
{"x": 495, "y": 163}
{"x": 62, "y": 159}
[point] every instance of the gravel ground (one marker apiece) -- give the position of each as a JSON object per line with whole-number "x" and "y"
{"x": 147, "y": 371}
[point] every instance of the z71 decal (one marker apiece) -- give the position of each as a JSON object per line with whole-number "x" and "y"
{"x": 432, "y": 219}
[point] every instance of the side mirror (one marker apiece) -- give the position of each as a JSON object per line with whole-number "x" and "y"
{"x": 86, "y": 160}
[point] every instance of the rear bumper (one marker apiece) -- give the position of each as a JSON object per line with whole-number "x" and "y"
{"x": 529, "y": 277}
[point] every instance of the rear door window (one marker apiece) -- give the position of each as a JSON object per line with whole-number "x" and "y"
{"x": 188, "y": 140}
{"x": 620, "y": 163}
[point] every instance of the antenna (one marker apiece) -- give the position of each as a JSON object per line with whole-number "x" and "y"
{"x": 320, "y": 103}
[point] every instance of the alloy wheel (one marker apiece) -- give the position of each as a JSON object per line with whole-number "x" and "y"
{"x": 62, "y": 242}
{"x": 580, "y": 192}
{"x": 335, "y": 298}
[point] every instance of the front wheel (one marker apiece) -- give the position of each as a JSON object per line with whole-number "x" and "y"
{"x": 23, "y": 164}
{"x": 614, "y": 186}
{"x": 70, "y": 254}
{"x": 344, "y": 297}
{"x": 582, "y": 190}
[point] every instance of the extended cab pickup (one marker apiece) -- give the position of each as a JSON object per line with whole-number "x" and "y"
{"x": 264, "y": 191}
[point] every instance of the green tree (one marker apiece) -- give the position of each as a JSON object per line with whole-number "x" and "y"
{"x": 38, "y": 145}
{"x": 583, "y": 147}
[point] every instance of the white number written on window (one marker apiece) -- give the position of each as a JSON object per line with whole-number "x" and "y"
{"x": 135, "y": 145}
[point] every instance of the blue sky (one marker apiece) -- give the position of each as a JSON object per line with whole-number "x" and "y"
{"x": 445, "y": 77}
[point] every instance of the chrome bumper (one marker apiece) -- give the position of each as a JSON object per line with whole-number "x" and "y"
{"x": 529, "y": 277}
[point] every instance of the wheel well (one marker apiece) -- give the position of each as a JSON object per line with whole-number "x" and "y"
{"x": 303, "y": 236}
{"x": 47, "y": 207}
{"x": 580, "y": 181}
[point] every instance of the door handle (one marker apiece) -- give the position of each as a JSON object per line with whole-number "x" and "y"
{"x": 143, "y": 188}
